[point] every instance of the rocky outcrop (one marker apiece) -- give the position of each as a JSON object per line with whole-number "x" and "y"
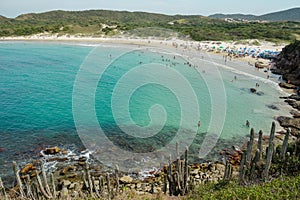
{"x": 287, "y": 85}
{"x": 295, "y": 113}
{"x": 293, "y": 123}
{"x": 287, "y": 63}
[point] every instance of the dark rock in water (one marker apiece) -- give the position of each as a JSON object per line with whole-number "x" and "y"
{"x": 52, "y": 150}
{"x": 2, "y": 149}
{"x": 273, "y": 107}
{"x": 283, "y": 97}
{"x": 287, "y": 85}
{"x": 293, "y": 103}
{"x": 295, "y": 113}
{"x": 253, "y": 90}
{"x": 260, "y": 93}
{"x": 295, "y": 97}
{"x": 293, "y": 123}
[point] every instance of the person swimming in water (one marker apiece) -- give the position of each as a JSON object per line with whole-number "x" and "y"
{"x": 247, "y": 123}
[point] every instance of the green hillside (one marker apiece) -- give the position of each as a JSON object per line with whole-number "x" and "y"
{"x": 285, "y": 15}
{"x": 104, "y": 22}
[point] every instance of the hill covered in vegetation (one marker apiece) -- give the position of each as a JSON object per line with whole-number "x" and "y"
{"x": 97, "y": 23}
{"x": 285, "y": 15}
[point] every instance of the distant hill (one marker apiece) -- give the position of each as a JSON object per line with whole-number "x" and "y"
{"x": 285, "y": 15}
{"x": 99, "y": 23}
{"x": 3, "y": 19}
{"x": 92, "y": 16}
{"x": 233, "y": 16}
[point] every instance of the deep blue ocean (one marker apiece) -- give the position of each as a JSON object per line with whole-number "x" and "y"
{"x": 61, "y": 93}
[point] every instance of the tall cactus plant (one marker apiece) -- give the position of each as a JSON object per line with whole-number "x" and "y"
{"x": 285, "y": 144}
{"x": 259, "y": 144}
{"x": 270, "y": 152}
{"x": 249, "y": 147}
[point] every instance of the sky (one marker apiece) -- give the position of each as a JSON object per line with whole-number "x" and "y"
{"x": 13, "y": 8}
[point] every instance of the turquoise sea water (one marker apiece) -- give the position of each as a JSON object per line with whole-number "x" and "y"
{"x": 42, "y": 83}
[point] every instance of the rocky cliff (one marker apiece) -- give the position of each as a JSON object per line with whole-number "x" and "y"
{"x": 287, "y": 63}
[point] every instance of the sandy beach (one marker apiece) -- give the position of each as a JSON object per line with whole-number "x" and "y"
{"x": 185, "y": 47}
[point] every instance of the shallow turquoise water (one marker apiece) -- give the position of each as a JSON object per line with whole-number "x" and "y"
{"x": 37, "y": 82}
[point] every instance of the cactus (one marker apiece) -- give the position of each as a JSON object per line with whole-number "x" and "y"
{"x": 186, "y": 171}
{"x": 16, "y": 171}
{"x": 178, "y": 180}
{"x": 285, "y": 144}
{"x": 41, "y": 187}
{"x": 242, "y": 169}
{"x": 108, "y": 185}
{"x": 259, "y": 144}
{"x": 249, "y": 146}
{"x": 254, "y": 164}
{"x": 28, "y": 188}
{"x": 117, "y": 179}
{"x": 269, "y": 161}
{"x": 270, "y": 152}
{"x": 45, "y": 181}
{"x": 94, "y": 186}
{"x": 3, "y": 194}
{"x": 272, "y": 134}
{"x": 165, "y": 184}
{"x": 226, "y": 170}
{"x": 89, "y": 179}
{"x": 101, "y": 185}
{"x": 53, "y": 185}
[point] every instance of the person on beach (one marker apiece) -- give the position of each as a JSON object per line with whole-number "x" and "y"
{"x": 247, "y": 123}
{"x": 199, "y": 123}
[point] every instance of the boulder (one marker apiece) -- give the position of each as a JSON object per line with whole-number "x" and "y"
{"x": 273, "y": 107}
{"x": 287, "y": 85}
{"x": 295, "y": 97}
{"x": 73, "y": 175}
{"x": 26, "y": 169}
{"x": 295, "y": 113}
{"x": 126, "y": 179}
{"x": 289, "y": 122}
{"x": 253, "y": 90}
{"x": 260, "y": 93}
{"x": 63, "y": 171}
{"x": 52, "y": 150}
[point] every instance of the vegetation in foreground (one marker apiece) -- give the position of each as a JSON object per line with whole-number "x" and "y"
{"x": 281, "y": 188}
{"x": 269, "y": 174}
